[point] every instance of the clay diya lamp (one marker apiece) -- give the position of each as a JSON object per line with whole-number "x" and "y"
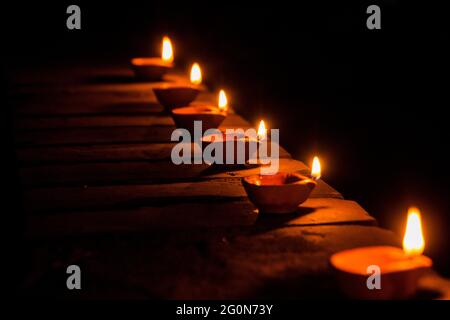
{"x": 211, "y": 116}
{"x": 400, "y": 270}
{"x": 172, "y": 95}
{"x": 153, "y": 68}
{"x": 240, "y": 144}
{"x": 245, "y": 147}
{"x": 278, "y": 193}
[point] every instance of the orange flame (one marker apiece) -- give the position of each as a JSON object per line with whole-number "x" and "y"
{"x": 196, "y": 74}
{"x": 413, "y": 242}
{"x": 223, "y": 101}
{"x": 262, "y": 131}
{"x": 316, "y": 169}
{"x": 167, "y": 51}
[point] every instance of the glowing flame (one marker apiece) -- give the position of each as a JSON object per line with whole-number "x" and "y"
{"x": 316, "y": 170}
{"x": 262, "y": 131}
{"x": 167, "y": 51}
{"x": 223, "y": 101}
{"x": 413, "y": 243}
{"x": 196, "y": 74}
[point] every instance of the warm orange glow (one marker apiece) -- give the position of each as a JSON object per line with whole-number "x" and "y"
{"x": 316, "y": 170}
{"x": 262, "y": 131}
{"x": 196, "y": 74}
{"x": 413, "y": 242}
{"x": 223, "y": 101}
{"x": 167, "y": 51}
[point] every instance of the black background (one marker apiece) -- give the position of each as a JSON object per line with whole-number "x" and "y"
{"x": 371, "y": 103}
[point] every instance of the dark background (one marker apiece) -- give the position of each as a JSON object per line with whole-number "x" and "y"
{"x": 371, "y": 103}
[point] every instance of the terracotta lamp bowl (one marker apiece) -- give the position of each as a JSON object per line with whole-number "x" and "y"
{"x": 173, "y": 96}
{"x": 279, "y": 193}
{"x": 237, "y": 142}
{"x": 399, "y": 272}
{"x": 151, "y": 69}
{"x": 210, "y": 116}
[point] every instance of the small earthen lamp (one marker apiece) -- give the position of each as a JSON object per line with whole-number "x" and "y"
{"x": 153, "y": 68}
{"x": 211, "y": 116}
{"x": 172, "y": 95}
{"x": 278, "y": 193}
{"x": 242, "y": 151}
{"x": 399, "y": 269}
{"x": 281, "y": 192}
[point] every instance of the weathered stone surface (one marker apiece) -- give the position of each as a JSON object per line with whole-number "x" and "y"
{"x": 106, "y": 153}
{"x": 98, "y": 135}
{"x": 225, "y": 185}
{"x": 36, "y": 123}
{"x": 107, "y": 104}
{"x": 278, "y": 263}
{"x": 317, "y": 211}
{"x": 84, "y": 81}
{"x": 206, "y": 214}
{"x": 94, "y": 135}
{"x": 433, "y": 286}
{"x": 137, "y": 171}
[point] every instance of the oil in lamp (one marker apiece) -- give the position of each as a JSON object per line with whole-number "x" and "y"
{"x": 400, "y": 269}
{"x": 153, "y": 68}
{"x": 172, "y": 95}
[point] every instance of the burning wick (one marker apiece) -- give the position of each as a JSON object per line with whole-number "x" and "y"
{"x": 413, "y": 242}
{"x": 316, "y": 170}
{"x": 262, "y": 131}
{"x": 167, "y": 51}
{"x": 223, "y": 101}
{"x": 196, "y": 74}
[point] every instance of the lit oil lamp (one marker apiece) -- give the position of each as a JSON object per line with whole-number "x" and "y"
{"x": 211, "y": 116}
{"x": 153, "y": 68}
{"x": 281, "y": 192}
{"x": 399, "y": 269}
{"x": 238, "y": 152}
{"x": 172, "y": 95}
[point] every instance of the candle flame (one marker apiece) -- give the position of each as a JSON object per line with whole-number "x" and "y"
{"x": 262, "y": 131}
{"x": 413, "y": 242}
{"x": 196, "y": 74}
{"x": 316, "y": 169}
{"x": 223, "y": 101}
{"x": 167, "y": 51}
